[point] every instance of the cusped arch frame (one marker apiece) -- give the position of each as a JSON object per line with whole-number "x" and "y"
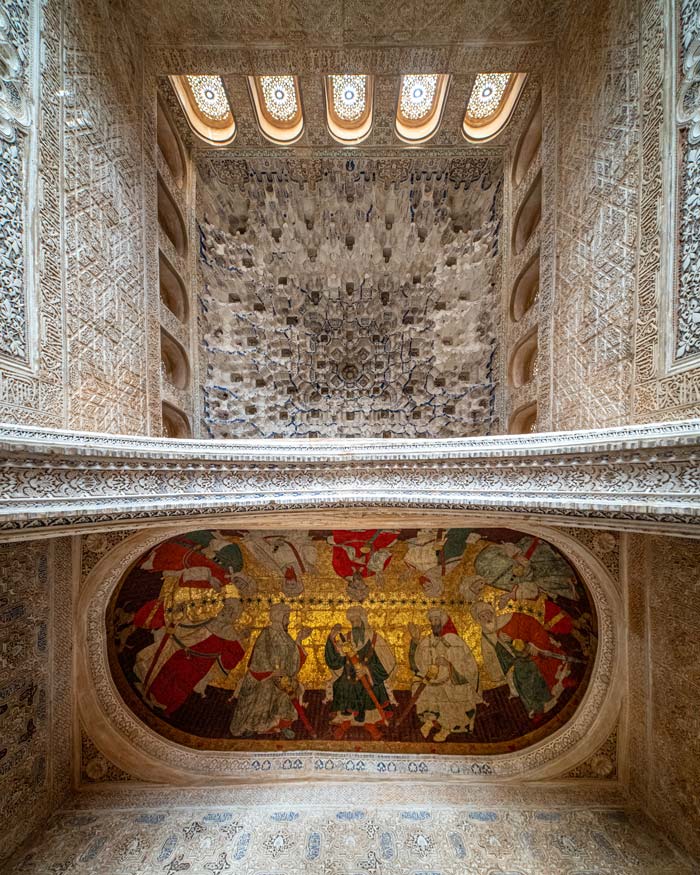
{"x": 140, "y": 751}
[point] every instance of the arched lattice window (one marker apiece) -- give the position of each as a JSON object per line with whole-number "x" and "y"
{"x": 491, "y": 103}
{"x": 349, "y": 100}
{"x": 277, "y": 102}
{"x": 420, "y": 105}
{"x": 206, "y": 106}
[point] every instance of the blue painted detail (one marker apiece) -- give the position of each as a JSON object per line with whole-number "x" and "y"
{"x": 313, "y": 846}
{"x": 167, "y": 848}
{"x": 484, "y": 816}
{"x": 150, "y": 818}
{"x": 42, "y": 638}
{"x": 218, "y": 816}
{"x": 458, "y": 845}
{"x": 550, "y": 816}
{"x": 387, "y": 846}
{"x": 242, "y": 846}
{"x": 349, "y": 815}
{"x": 606, "y": 846}
{"x": 93, "y": 849}
{"x": 415, "y": 815}
{"x": 285, "y": 816}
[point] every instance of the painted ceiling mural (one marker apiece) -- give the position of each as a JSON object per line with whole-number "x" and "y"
{"x": 432, "y": 640}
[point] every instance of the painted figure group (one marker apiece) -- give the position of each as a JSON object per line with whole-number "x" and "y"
{"x": 197, "y": 640}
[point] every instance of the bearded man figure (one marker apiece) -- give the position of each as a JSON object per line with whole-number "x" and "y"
{"x": 195, "y": 642}
{"x": 362, "y": 664}
{"x": 267, "y": 694}
{"x": 447, "y": 678}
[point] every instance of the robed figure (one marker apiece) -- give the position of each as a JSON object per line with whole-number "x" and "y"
{"x": 446, "y": 689}
{"x": 270, "y": 688}
{"x": 362, "y": 664}
{"x": 518, "y": 648}
{"x": 190, "y": 649}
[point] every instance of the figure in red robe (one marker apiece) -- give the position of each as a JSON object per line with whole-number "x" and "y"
{"x": 518, "y": 648}
{"x": 186, "y": 655}
{"x": 361, "y": 553}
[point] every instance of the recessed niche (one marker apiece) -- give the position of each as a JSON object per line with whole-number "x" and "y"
{"x": 172, "y": 289}
{"x": 523, "y": 360}
{"x": 528, "y": 216}
{"x": 170, "y": 219}
{"x": 526, "y": 288}
{"x": 174, "y": 362}
{"x": 529, "y": 144}
{"x": 175, "y": 422}
{"x": 169, "y": 145}
{"x": 524, "y": 419}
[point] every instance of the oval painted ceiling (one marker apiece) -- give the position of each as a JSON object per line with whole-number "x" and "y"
{"x": 456, "y": 640}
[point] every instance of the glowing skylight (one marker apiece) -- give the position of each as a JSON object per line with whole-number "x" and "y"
{"x": 280, "y": 97}
{"x": 210, "y": 96}
{"x": 349, "y": 96}
{"x": 417, "y": 95}
{"x": 487, "y": 94}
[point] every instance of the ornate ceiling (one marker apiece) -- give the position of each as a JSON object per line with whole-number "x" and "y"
{"x": 341, "y": 22}
{"x": 349, "y": 297}
{"x": 462, "y": 641}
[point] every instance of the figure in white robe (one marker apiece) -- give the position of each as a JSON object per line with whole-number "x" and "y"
{"x": 425, "y": 556}
{"x": 447, "y": 677}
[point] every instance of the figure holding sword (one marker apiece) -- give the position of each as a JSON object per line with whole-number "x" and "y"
{"x": 519, "y": 649}
{"x": 362, "y": 664}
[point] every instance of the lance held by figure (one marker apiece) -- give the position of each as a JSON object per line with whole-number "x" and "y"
{"x": 362, "y": 665}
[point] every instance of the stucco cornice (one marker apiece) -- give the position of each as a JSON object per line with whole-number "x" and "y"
{"x": 642, "y": 478}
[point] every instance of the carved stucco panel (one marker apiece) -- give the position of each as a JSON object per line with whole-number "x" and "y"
{"x": 688, "y": 119}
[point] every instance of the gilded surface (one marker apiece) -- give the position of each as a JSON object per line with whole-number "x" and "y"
{"x": 475, "y": 640}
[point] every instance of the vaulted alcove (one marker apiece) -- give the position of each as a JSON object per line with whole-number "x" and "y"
{"x": 172, "y": 289}
{"x": 529, "y": 143}
{"x": 170, "y": 218}
{"x": 175, "y": 422}
{"x": 174, "y": 361}
{"x": 169, "y": 144}
{"x": 525, "y": 288}
{"x": 528, "y": 216}
{"x": 523, "y": 360}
